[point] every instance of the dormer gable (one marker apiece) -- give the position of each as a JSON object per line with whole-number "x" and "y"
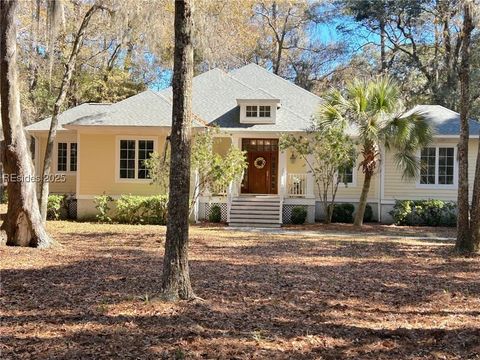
{"x": 259, "y": 107}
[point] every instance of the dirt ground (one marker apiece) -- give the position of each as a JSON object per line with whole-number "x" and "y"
{"x": 284, "y": 296}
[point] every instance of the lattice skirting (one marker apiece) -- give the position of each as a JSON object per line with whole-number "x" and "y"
{"x": 72, "y": 208}
{"x": 287, "y": 212}
{"x": 223, "y": 209}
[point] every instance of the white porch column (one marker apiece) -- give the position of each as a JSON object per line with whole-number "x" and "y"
{"x": 310, "y": 192}
{"x": 235, "y": 189}
{"x": 282, "y": 172}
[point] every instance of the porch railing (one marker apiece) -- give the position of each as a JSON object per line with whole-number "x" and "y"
{"x": 219, "y": 190}
{"x": 297, "y": 185}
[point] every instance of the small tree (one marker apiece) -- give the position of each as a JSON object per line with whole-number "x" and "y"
{"x": 328, "y": 152}
{"x": 214, "y": 171}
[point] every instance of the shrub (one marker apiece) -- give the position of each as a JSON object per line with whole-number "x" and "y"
{"x": 215, "y": 214}
{"x": 368, "y": 215}
{"x": 299, "y": 215}
{"x": 132, "y": 209}
{"x": 424, "y": 212}
{"x": 102, "y": 204}
{"x": 343, "y": 213}
{"x": 4, "y": 197}
{"x": 54, "y": 206}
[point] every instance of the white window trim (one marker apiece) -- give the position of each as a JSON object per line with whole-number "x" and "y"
{"x": 244, "y": 119}
{"x": 118, "y": 179}
{"x": 55, "y": 162}
{"x": 455, "y": 169}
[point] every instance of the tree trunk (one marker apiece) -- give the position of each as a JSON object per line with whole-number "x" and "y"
{"x": 23, "y": 225}
{"x": 176, "y": 278}
{"x": 52, "y": 134}
{"x": 475, "y": 208}
{"x": 464, "y": 235}
{"x": 362, "y": 204}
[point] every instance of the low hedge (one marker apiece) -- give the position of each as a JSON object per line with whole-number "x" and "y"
{"x": 132, "y": 209}
{"x": 343, "y": 213}
{"x": 424, "y": 213}
{"x": 215, "y": 214}
{"x": 299, "y": 215}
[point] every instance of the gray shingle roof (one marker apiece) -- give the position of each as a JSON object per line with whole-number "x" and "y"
{"x": 87, "y": 112}
{"x": 145, "y": 109}
{"x": 215, "y": 95}
{"x": 443, "y": 120}
{"x": 214, "y": 101}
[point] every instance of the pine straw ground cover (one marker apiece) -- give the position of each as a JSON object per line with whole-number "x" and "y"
{"x": 265, "y": 297}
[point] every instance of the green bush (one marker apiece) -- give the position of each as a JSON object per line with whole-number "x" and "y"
{"x": 343, "y": 213}
{"x": 132, "y": 209}
{"x": 299, "y": 215}
{"x": 215, "y": 214}
{"x": 54, "y": 206}
{"x": 4, "y": 197}
{"x": 368, "y": 215}
{"x": 102, "y": 204}
{"x": 424, "y": 213}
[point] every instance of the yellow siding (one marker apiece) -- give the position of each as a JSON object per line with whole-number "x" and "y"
{"x": 352, "y": 192}
{"x": 298, "y": 166}
{"x": 397, "y": 188}
{"x": 98, "y": 165}
{"x": 58, "y": 187}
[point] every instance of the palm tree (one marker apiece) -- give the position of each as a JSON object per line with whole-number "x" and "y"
{"x": 373, "y": 110}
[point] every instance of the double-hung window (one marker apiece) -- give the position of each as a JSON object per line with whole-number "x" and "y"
{"x": 346, "y": 176}
{"x": 133, "y": 154}
{"x": 73, "y": 157}
{"x": 62, "y": 157}
{"x": 437, "y": 166}
{"x": 66, "y": 157}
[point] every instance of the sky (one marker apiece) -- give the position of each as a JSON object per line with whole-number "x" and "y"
{"x": 329, "y": 32}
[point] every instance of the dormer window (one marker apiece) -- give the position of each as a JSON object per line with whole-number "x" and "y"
{"x": 252, "y": 111}
{"x": 260, "y": 107}
{"x": 264, "y": 111}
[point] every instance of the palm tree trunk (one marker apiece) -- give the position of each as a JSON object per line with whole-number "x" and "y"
{"x": 464, "y": 234}
{"x": 176, "y": 278}
{"x": 362, "y": 204}
{"x": 23, "y": 224}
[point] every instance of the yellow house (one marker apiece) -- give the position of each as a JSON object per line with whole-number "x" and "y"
{"x": 100, "y": 149}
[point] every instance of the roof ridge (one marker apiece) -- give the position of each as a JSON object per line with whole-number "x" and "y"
{"x": 239, "y": 81}
{"x": 195, "y": 116}
{"x": 281, "y": 78}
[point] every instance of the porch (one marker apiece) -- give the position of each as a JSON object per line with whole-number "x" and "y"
{"x": 273, "y": 184}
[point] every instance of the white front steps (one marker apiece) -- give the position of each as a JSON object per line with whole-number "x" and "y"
{"x": 255, "y": 211}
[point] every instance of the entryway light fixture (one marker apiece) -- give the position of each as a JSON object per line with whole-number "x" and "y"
{"x": 293, "y": 157}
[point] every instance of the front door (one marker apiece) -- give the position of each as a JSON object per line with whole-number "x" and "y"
{"x": 261, "y": 175}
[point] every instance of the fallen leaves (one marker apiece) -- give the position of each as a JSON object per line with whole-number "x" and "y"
{"x": 273, "y": 296}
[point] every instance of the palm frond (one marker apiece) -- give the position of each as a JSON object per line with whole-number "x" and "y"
{"x": 408, "y": 163}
